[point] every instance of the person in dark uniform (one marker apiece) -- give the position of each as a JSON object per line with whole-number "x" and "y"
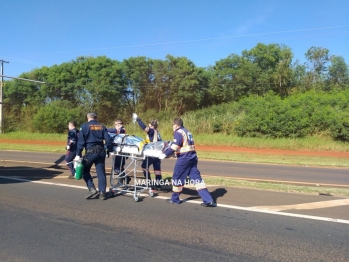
{"x": 119, "y": 161}
{"x": 153, "y": 135}
{"x": 72, "y": 141}
{"x": 91, "y": 137}
{"x": 186, "y": 165}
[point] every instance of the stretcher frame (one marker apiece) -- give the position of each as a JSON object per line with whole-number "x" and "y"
{"x": 125, "y": 188}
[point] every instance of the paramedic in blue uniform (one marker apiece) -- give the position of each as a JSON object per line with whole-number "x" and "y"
{"x": 72, "y": 141}
{"x": 153, "y": 135}
{"x": 186, "y": 165}
{"x": 119, "y": 161}
{"x": 91, "y": 137}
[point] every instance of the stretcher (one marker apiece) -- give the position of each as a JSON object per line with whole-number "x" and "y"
{"x": 136, "y": 150}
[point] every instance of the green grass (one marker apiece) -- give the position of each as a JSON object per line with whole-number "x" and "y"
{"x": 316, "y": 143}
{"x": 34, "y": 136}
{"x": 276, "y": 187}
{"x": 312, "y": 143}
{"x": 309, "y": 143}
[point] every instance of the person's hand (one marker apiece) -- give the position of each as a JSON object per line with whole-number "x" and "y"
{"x": 67, "y": 147}
{"x": 134, "y": 117}
{"x": 77, "y": 158}
{"x": 162, "y": 156}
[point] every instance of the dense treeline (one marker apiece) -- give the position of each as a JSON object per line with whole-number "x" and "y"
{"x": 262, "y": 80}
{"x": 298, "y": 115}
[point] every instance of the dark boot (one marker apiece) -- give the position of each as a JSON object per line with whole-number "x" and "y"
{"x": 158, "y": 183}
{"x": 156, "y": 187}
{"x": 92, "y": 192}
{"x": 211, "y": 204}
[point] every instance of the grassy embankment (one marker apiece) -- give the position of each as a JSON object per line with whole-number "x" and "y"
{"x": 304, "y": 144}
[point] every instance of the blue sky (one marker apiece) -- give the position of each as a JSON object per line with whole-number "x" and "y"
{"x": 46, "y": 32}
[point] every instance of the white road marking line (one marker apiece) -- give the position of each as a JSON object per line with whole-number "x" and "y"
{"x": 251, "y": 209}
{"x": 308, "y": 206}
{"x": 41, "y": 182}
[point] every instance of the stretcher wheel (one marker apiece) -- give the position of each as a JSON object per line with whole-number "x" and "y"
{"x": 136, "y": 199}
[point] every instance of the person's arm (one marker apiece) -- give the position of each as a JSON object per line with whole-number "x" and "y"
{"x": 68, "y": 138}
{"x": 73, "y": 137}
{"x": 176, "y": 143}
{"x": 142, "y": 125}
{"x": 81, "y": 142}
{"x": 158, "y": 135}
{"x": 108, "y": 141}
{"x": 111, "y": 130}
{"x": 77, "y": 136}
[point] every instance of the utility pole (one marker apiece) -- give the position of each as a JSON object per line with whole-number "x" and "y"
{"x": 1, "y": 96}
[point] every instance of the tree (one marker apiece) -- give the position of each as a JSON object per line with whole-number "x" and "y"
{"x": 138, "y": 77}
{"x": 300, "y": 77}
{"x": 263, "y": 68}
{"x": 318, "y": 58}
{"x": 225, "y": 79}
{"x": 184, "y": 89}
{"x": 338, "y": 73}
{"x": 283, "y": 71}
{"x": 274, "y": 63}
{"x": 105, "y": 88}
{"x": 54, "y": 117}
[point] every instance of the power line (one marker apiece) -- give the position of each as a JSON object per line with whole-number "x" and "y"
{"x": 1, "y": 95}
{"x": 24, "y": 79}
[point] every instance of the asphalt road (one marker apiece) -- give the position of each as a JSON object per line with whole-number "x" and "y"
{"x": 291, "y": 174}
{"x": 43, "y": 222}
{"x": 49, "y": 220}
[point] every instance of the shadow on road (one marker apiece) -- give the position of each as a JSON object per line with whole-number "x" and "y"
{"x": 26, "y": 173}
{"x": 218, "y": 192}
{"x": 58, "y": 161}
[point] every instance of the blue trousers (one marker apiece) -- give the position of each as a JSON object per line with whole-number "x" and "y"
{"x": 99, "y": 161}
{"x": 119, "y": 166}
{"x": 184, "y": 168}
{"x": 156, "y": 162}
{"x": 119, "y": 163}
{"x": 69, "y": 156}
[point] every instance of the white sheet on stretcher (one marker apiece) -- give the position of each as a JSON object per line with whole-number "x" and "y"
{"x": 155, "y": 149}
{"x": 130, "y": 144}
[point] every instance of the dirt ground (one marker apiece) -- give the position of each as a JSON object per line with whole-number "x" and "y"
{"x": 217, "y": 148}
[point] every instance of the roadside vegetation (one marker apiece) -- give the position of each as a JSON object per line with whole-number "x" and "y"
{"x": 311, "y": 143}
{"x": 262, "y": 92}
{"x": 261, "y": 98}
